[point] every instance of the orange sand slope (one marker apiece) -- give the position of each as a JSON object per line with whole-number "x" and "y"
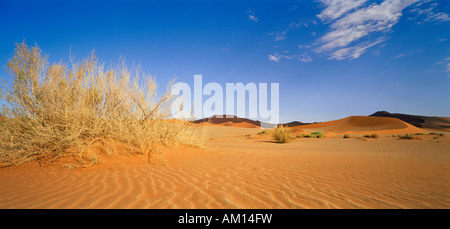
{"x": 230, "y": 124}
{"x": 230, "y": 120}
{"x": 248, "y": 172}
{"x": 362, "y": 124}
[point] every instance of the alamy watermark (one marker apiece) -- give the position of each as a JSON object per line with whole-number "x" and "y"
{"x": 184, "y": 107}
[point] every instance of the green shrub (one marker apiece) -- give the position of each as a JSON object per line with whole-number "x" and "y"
{"x": 318, "y": 134}
{"x": 438, "y": 134}
{"x": 312, "y": 135}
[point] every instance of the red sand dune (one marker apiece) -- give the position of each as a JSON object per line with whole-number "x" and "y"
{"x": 234, "y": 121}
{"x": 240, "y": 124}
{"x": 362, "y": 124}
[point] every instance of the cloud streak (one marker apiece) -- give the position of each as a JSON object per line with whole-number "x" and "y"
{"x": 446, "y": 62}
{"x": 304, "y": 57}
{"x": 336, "y": 8}
{"x": 251, "y": 16}
{"x": 345, "y": 40}
{"x": 426, "y": 11}
{"x": 281, "y": 35}
{"x": 274, "y": 57}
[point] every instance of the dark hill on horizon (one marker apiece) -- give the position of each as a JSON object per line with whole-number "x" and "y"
{"x": 217, "y": 119}
{"x": 430, "y": 122}
{"x": 224, "y": 119}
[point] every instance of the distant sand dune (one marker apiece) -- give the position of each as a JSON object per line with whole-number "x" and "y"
{"x": 362, "y": 124}
{"x": 242, "y": 124}
{"x": 379, "y": 123}
{"x": 232, "y": 120}
{"x": 231, "y": 124}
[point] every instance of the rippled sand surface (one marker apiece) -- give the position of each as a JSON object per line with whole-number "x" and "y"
{"x": 248, "y": 172}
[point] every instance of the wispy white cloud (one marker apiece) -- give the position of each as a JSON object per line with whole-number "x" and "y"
{"x": 425, "y": 12}
{"x": 281, "y": 35}
{"x": 274, "y": 57}
{"x": 446, "y": 62}
{"x": 354, "y": 52}
{"x": 251, "y": 15}
{"x": 345, "y": 38}
{"x": 303, "y": 46}
{"x": 336, "y": 8}
{"x": 400, "y": 55}
{"x": 304, "y": 57}
{"x": 356, "y": 26}
{"x": 408, "y": 53}
{"x": 438, "y": 17}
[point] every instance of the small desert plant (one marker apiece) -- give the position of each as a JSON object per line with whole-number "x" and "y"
{"x": 346, "y": 136}
{"x": 312, "y": 135}
{"x": 371, "y": 136}
{"x": 437, "y": 134}
{"x": 264, "y": 132}
{"x": 435, "y": 137}
{"x": 406, "y": 136}
{"x": 318, "y": 135}
{"x": 56, "y": 110}
{"x": 282, "y": 134}
{"x": 419, "y": 134}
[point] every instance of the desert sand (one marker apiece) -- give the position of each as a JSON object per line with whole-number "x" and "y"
{"x": 240, "y": 169}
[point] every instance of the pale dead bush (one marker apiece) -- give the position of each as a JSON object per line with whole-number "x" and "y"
{"x": 282, "y": 134}
{"x": 53, "y": 111}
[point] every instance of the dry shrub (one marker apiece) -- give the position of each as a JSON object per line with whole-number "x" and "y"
{"x": 55, "y": 110}
{"x": 282, "y": 134}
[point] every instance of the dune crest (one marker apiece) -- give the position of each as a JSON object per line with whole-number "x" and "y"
{"x": 362, "y": 124}
{"x": 233, "y": 121}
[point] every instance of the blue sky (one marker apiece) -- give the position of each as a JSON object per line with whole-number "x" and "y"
{"x": 332, "y": 59}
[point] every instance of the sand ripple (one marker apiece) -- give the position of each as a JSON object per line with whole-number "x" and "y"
{"x": 247, "y": 173}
